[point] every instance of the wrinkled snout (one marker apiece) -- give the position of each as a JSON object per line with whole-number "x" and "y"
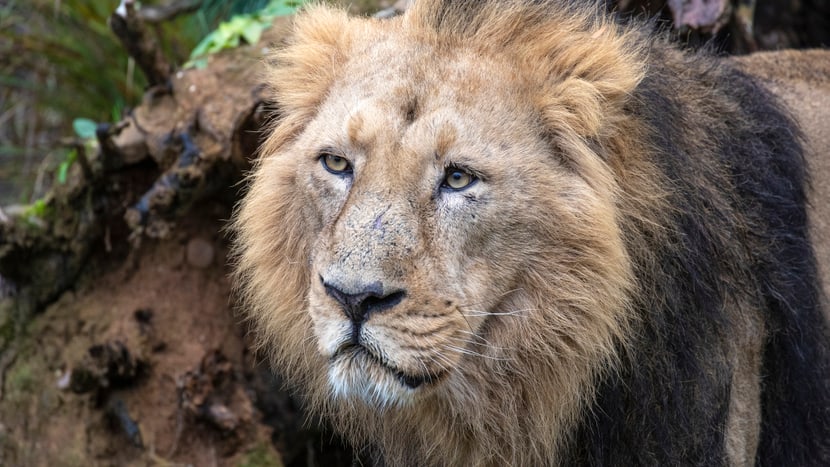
{"x": 364, "y": 267}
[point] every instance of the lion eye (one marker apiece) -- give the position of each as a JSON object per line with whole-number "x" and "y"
{"x": 335, "y": 164}
{"x": 457, "y": 179}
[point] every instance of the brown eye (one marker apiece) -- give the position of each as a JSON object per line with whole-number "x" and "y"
{"x": 457, "y": 179}
{"x": 336, "y": 164}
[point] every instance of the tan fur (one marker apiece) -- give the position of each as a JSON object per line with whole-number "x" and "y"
{"x": 743, "y": 423}
{"x": 530, "y": 291}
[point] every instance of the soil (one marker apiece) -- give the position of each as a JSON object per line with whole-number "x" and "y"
{"x": 146, "y": 363}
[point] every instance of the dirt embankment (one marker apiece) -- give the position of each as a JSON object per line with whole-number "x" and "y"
{"x": 145, "y": 363}
{"x": 139, "y": 358}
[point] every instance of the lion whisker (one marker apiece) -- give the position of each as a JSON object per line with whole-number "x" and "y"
{"x": 444, "y": 364}
{"x": 472, "y": 353}
{"x": 479, "y": 313}
{"x": 478, "y": 344}
{"x": 498, "y": 298}
{"x": 476, "y": 339}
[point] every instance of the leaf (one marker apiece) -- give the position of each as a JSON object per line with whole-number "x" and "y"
{"x": 248, "y": 27}
{"x": 62, "y": 171}
{"x": 198, "y": 63}
{"x": 253, "y": 32}
{"x": 36, "y": 209}
{"x": 201, "y": 47}
{"x": 84, "y": 127}
{"x": 63, "y": 168}
{"x": 282, "y": 7}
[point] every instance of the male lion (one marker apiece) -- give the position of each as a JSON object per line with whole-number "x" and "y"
{"x": 517, "y": 232}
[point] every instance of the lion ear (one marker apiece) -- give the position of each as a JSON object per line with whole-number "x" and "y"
{"x": 588, "y": 107}
{"x": 590, "y": 76}
{"x": 301, "y": 73}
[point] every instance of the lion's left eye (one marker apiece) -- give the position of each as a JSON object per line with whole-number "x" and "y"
{"x": 457, "y": 179}
{"x": 335, "y": 164}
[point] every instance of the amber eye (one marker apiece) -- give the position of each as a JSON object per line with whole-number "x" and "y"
{"x": 457, "y": 179}
{"x": 335, "y": 164}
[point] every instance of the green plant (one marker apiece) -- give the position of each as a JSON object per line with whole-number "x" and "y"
{"x": 63, "y": 168}
{"x": 60, "y": 61}
{"x": 260, "y": 456}
{"x": 85, "y": 129}
{"x": 38, "y": 209}
{"x": 246, "y": 27}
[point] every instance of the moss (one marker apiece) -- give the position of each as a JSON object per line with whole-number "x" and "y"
{"x": 261, "y": 455}
{"x": 21, "y": 378}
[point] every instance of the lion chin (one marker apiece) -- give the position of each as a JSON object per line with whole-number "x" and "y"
{"x": 523, "y": 233}
{"x": 357, "y": 373}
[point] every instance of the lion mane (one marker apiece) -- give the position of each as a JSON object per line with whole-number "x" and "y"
{"x": 521, "y": 233}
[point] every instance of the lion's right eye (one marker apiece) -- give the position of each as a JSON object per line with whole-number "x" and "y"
{"x": 335, "y": 164}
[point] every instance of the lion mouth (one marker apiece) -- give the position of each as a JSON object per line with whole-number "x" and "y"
{"x": 352, "y": 351}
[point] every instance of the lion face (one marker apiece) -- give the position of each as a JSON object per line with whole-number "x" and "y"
{"x": 416, "y": 206}
{"x": 432, "y": 209}
{"x": 463, "y": 234}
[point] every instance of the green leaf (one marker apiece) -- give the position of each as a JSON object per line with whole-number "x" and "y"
{"x": 117, "y": 109}
{"x": 282, "y": 7}
{"x": 248, "y": 27}
{"x": 36, "y": 209}
{"x": 253, "y": 32}
{"x": 198, "y": 63}
{"x": 84, "y": 128}
{"x": 63, "y": 168}
{"x": 202, "y": 47}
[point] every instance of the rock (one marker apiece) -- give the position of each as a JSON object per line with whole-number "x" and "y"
{"x": 200, "y": 253}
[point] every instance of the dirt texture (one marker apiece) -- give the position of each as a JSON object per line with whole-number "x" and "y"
{"x": 145, "y": 363}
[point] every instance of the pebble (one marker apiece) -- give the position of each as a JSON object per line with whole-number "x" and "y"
{"x": 200, "y": 253}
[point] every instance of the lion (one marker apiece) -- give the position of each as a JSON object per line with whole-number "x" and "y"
{"x": 522, "y": 233}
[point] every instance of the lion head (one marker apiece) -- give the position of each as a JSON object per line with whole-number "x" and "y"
{"x": 433, "y": 230}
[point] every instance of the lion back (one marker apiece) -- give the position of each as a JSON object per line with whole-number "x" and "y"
{"x": 737, "y": 245}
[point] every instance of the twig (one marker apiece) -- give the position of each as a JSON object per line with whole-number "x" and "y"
{"x": 128, "y": 25}
{"x": 166, "y": 12}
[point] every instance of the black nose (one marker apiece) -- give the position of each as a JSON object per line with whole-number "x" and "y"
{"x": 370, "y": 299}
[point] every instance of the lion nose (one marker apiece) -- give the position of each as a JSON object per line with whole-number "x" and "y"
{"x": 370, "y": 299}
